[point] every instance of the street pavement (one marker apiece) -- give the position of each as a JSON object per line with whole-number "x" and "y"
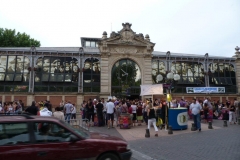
{"x": 219, "y": 143}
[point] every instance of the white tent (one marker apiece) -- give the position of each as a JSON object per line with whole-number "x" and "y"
{"x": 156, "y": 89}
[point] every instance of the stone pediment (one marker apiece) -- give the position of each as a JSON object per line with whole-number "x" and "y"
{"x": 126, "y": 41}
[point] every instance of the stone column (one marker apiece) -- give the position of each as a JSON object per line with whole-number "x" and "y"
{"x": 105, "y": 75}
{"x": 237, "y": 71}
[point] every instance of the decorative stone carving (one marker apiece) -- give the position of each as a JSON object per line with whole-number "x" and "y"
{"x": 127, "y": 36}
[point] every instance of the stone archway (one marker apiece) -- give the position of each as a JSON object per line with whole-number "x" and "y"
{"x": 126, "y": 78}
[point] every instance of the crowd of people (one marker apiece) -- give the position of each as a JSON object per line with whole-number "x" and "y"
{"x": 105, "y": 113}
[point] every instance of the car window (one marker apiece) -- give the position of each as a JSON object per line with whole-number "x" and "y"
{"x": 50, "y": 132}
{"x": 78, "y": 131}
{"x": 14, "y": 134}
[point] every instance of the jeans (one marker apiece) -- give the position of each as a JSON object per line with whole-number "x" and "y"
{"x": 196, "y": 119}
{"x": 145, "y": 117}
{"x": 67, "y": 117}
{"x": 152, "y": 121}
{"x": 232, "y": 117}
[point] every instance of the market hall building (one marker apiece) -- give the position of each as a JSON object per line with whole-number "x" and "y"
{"x": 114, "y": 65}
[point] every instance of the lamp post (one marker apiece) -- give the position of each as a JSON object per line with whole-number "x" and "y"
{"x": 171, "y": 78}
{"x": 80, "y": 79}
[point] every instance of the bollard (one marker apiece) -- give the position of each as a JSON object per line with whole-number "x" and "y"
{"x": 225, "y": 123}
{"x": 193, "y": 127}
{"x": 238, "y": 121}
{"x": 210, "y": 125}
{"x": 170, "y": 130}
{"x": 147, "y": 134}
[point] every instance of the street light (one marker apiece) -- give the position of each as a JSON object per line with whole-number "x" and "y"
{"x": 171, "y": 79}
{"x": 80, "y": 79}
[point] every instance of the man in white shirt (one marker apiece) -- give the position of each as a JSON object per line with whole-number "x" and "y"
{"x": 110, "y": 112}
{"x": 207, "y": 101}
{"x": 195, "y": 109}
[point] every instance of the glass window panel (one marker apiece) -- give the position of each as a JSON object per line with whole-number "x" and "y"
{"x": 46, "y": 132}
{"x": 11, "y": 64}
{"x": 39, "y": 64}
{"x": 228, "y": 81}
{"x": 1, "y": 88}
{"x": 9, "y": 77}
{"x": 14, "y": 134}
{"x": 46, "y": 65}
{"x": 222, "y": 80}
{"x": 18, "y": 77}
{"x": 20, "y": 88}
{"x": 87, "y": 43}
{"x": 20, "y": 64}
{"x": 38, "y": 88}
{"x": 68, "y": 78}
{"x": 3, "y": 63}
{"x": 75, "y": 77}
{"x": 93, "y": 44}
{"x": 26, "y": 64}
{"x": 2, "y": 76}
{"x": 45, "y": 77}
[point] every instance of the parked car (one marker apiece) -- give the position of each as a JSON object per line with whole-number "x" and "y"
{"x": 35, "y": 137}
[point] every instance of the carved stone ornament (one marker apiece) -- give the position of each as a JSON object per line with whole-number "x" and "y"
{"x": 127, "y": 36}
{"x": 123, "y": 50}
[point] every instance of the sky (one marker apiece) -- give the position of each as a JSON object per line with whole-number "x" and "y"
{"x": 179, "y": 26}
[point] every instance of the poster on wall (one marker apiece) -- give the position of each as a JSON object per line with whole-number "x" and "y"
{"x": 156, "y": 89}
{"x": 205, "y": 89}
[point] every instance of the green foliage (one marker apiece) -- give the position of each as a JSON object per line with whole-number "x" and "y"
{"x": 9, "y": 38}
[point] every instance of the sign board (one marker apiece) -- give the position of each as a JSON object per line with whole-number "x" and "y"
{"x": 205, "y": 89}
{"x": 156, "y": 89}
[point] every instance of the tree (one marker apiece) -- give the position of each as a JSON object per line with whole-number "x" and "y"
{"x": 9, "y": 38}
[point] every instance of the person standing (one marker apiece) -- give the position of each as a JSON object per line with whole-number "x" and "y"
{"x": 232, "y": 117}
{"x": 90, "y": 112}
{"x": 74, "y": 111}
{"x": 33, "y": 109}
{"x": 134, "y": 112}
{"x": 110, "y": 112}
{"x": 67, "y": 110}
{"x": 145, "y": 112}
{"x": 139, "y": 114}
{"x": 58, "y": 114}
{"x": 99, "y": 108}
{"x": 236, "y": 105}
{"x": 195, "y": 109}
{"x": 152, "y": 118}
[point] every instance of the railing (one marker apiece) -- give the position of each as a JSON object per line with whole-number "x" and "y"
{"x": 79, "y": 123}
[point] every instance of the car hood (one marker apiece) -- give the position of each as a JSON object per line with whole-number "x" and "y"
{"x": 103, "y": 136}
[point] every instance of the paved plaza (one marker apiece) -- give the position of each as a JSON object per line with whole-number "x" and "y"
{"x": 219, "y": 143}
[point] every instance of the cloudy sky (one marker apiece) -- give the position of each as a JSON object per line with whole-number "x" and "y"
{"x": 180, "y": 26}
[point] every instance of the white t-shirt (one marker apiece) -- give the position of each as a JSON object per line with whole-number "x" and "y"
{"x": 74, "y": 110}
{"x": 45, "y": 112}
{"x": 110, "y": 107}
{"x": 134, "y": 108}
{"x": 195, "y": 108}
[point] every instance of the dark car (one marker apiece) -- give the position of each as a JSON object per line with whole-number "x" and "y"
{"x": 35, "y": 137}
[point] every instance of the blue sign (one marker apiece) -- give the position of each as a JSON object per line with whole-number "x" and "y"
{"x": 205, "y": 89}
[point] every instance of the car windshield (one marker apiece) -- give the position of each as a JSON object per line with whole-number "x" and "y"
{"x": 78, "y": 131}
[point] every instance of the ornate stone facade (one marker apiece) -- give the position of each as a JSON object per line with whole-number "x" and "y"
{"x": 122, "y": 45}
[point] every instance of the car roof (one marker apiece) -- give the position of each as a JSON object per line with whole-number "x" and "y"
{"x": 24, "y": 118}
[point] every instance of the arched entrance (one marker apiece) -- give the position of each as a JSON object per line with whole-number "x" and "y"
{"x": 126, "y": 79}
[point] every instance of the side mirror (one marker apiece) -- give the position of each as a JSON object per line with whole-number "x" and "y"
{"x": 73, "y": 138}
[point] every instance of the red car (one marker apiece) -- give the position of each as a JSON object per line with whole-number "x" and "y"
{"x": 34, "y": 137}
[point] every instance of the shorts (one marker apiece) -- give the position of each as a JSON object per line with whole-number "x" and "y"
{"x": 134, "y": 116}
{"x": 110, "y": 116}
{"x": 139, "y": 118}
{"x": 73, "y": 116}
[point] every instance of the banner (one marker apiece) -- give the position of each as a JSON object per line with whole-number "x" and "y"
{"x": 155, "y": 89}
{"x": 205, "y": 89}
